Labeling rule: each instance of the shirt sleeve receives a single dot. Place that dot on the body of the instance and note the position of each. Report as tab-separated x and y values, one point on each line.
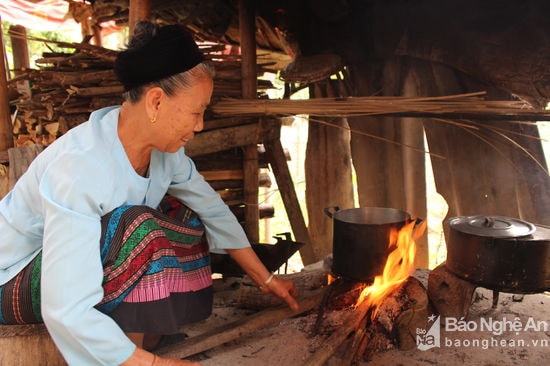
72	273
223	231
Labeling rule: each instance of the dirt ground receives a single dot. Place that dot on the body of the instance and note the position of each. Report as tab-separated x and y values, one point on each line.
516	332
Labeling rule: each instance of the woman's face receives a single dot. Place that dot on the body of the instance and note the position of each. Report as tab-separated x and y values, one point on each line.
181	115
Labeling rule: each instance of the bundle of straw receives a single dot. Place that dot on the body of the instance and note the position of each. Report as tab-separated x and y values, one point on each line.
470	104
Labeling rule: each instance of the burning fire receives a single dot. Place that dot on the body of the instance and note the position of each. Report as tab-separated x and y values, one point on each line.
330	279
398	267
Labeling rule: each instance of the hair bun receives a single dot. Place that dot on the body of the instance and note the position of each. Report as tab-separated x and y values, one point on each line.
155	55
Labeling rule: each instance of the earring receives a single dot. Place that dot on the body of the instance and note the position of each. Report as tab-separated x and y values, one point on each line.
154	119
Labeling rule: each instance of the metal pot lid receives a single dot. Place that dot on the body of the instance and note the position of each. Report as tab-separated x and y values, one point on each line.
492	226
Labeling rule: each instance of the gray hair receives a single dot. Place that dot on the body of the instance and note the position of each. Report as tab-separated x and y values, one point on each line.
172	84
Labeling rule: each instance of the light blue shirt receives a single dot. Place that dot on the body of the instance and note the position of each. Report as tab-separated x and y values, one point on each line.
56	207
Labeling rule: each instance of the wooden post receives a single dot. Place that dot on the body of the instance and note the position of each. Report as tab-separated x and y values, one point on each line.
21	60
6	136
19	48
139	10
249	84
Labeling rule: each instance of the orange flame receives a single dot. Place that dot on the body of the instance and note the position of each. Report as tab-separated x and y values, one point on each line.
330	279
399	265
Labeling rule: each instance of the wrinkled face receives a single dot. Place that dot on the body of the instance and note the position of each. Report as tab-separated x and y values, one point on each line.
181	115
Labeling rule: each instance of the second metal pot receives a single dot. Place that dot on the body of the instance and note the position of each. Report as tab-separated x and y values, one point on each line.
499	253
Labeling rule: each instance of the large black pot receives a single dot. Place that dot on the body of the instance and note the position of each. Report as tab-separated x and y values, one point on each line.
499	253
360	240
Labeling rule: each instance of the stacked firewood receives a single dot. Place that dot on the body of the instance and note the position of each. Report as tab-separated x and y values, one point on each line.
63	91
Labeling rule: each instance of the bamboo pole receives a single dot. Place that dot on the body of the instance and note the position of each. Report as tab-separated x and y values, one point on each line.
6	136
249	85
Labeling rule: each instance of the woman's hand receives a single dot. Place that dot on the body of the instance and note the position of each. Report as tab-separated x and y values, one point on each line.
268	283
284	289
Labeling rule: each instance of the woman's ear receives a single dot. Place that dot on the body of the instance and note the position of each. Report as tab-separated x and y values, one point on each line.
153	97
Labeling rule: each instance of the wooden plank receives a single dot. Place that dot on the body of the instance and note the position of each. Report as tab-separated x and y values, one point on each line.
413	163
276	157
328	176
388	174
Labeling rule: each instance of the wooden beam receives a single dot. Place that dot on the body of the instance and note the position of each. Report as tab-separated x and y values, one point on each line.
249	88
222	175
138	10
6	136
227	122
223	139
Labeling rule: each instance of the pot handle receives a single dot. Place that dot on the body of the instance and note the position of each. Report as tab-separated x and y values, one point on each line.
329	213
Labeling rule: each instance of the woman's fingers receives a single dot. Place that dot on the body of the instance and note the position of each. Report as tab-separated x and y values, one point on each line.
284	289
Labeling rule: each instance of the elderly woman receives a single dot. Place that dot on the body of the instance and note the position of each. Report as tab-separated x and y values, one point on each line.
106	238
